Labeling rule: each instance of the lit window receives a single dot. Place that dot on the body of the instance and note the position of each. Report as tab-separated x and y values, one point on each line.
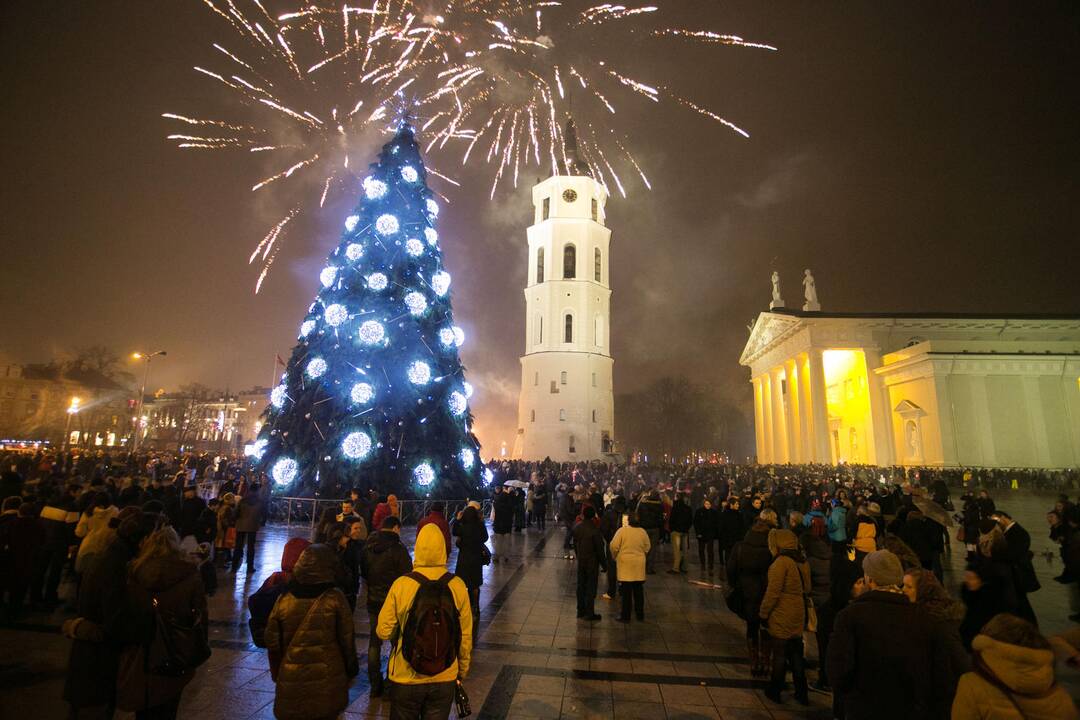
540	265
569	262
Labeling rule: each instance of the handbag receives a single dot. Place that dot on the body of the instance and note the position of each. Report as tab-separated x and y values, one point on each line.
485	555
808	605
183	640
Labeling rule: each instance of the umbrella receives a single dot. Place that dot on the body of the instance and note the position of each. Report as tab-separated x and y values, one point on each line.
517	483
932	510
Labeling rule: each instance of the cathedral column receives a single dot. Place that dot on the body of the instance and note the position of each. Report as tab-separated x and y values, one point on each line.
780	445
759	420
819	406
880	412
769	456
985	434
792	407
1033	400
806	440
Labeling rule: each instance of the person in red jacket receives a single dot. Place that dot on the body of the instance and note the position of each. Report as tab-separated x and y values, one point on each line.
384	510
437	516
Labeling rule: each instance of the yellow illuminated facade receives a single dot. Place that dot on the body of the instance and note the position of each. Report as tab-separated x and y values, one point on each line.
915	389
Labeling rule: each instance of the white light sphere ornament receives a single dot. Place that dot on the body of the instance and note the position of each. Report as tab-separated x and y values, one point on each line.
354	251
419	373
371	332
440	282
431	235
457	403
386	224
468	389
284	471
432	207
488	476
328	276
316	367
446	337
414	247
424	474
256	449
459	336
416	303
409	174
377	282
278	396
374	188
468	457
306	327
335	314
362	393
350	222
356	445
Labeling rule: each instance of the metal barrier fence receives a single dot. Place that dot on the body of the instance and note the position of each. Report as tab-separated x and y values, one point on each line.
307	511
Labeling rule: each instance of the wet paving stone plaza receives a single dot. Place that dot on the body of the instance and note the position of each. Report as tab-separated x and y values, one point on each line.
534	658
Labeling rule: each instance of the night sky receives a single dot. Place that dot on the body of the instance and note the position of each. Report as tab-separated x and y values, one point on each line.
917	156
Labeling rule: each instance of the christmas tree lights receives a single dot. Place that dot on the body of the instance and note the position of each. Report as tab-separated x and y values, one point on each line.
374	393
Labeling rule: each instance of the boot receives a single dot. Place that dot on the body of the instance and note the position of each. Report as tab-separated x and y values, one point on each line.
755	659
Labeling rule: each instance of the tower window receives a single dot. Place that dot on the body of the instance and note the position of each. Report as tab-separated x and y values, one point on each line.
569	262
536	378
598	330
594	416
594	381
546	212
532	416
568	331
562	378
562	415
540	265
554	387
572	448
594	209
596	265
539	329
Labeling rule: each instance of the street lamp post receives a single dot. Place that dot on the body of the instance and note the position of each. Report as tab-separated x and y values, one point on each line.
142	392
72	409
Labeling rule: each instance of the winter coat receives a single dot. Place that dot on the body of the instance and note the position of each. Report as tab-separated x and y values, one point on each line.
504	513
93	545
883	659
629	547
613	518
589	546
783	607
865	535
96	520
261	603
682	517
310	641
731	528
191	509
249	512
430	561
1027	673
819	558
92	665
439	520
706	524
176	584
226	518
20	539
838	524
748	566
471	536
382	511
385	559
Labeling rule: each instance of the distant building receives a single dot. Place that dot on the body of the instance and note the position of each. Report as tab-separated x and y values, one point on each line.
204	420
943	390
39	402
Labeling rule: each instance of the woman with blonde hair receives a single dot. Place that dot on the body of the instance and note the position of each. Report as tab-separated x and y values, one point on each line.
165	596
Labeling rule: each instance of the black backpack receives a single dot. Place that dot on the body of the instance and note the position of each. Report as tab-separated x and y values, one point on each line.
179	646
432	628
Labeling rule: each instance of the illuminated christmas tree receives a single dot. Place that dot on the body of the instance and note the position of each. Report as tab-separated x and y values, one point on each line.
374	394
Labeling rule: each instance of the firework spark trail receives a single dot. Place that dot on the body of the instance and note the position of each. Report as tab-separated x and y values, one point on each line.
490	79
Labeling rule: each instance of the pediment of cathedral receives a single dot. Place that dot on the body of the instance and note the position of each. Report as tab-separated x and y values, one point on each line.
769	329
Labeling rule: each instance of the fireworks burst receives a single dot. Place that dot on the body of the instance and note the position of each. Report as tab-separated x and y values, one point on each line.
488	80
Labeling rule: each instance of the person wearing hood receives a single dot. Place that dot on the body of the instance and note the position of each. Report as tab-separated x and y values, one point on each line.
783	612
249	518
471	534
923	588
384	559
162	582
261	603
1012	677
747	568
437	516
414	695
100	627
310	641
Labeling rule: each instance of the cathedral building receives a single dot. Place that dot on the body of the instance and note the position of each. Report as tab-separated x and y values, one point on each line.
566	407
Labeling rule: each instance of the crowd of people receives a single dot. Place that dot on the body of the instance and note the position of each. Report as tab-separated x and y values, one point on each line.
849	556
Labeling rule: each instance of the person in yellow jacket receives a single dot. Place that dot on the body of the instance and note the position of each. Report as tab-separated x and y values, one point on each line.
412	695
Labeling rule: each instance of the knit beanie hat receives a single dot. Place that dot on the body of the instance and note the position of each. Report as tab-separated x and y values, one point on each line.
883	567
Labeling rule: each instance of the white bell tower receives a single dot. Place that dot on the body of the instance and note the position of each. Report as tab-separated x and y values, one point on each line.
566	410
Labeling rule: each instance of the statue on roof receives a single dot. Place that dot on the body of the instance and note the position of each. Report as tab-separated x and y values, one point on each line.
811	304
777	301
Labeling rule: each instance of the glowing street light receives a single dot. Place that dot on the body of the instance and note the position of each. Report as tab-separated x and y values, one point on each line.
142	391
72	409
